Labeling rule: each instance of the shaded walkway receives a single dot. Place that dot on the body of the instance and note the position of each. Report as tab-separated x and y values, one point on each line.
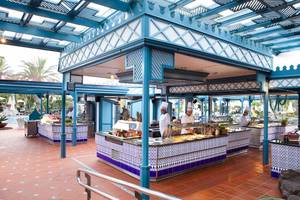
31	169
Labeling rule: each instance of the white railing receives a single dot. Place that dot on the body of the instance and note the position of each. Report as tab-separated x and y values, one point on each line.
138	190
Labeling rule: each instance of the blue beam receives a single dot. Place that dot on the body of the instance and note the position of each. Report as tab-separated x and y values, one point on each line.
80	5
31	45
237	19
251	27
33	30
49	14
114	4
284	42
179	3
287	47
263	33
267	23
259	12
219	9
278	37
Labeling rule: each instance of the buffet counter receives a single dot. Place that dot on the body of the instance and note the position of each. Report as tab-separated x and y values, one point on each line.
170	156
238	140
52	131
167	157
284	155
274	131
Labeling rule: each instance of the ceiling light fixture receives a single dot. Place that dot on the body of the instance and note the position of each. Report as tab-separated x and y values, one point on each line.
3	40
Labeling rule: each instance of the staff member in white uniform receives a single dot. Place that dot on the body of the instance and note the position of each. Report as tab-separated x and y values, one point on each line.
70	113
164	119
244	121
187	118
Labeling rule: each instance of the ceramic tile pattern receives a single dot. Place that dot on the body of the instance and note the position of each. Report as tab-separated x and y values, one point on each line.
31	169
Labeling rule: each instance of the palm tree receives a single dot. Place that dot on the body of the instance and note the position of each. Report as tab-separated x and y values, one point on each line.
37	70
3	68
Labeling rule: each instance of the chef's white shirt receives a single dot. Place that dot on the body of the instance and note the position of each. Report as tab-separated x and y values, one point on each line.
164	121
70	114
186	120
244	121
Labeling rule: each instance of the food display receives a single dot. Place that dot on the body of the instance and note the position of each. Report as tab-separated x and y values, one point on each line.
127	129
49	119
221	119
50	129
54	119
210	129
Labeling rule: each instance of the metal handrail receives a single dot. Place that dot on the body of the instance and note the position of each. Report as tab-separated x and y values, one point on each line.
138	189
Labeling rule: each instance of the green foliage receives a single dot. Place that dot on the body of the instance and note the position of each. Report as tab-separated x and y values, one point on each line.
2	118
4	69
38	70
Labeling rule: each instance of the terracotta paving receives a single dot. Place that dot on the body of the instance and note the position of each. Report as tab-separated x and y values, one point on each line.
30	168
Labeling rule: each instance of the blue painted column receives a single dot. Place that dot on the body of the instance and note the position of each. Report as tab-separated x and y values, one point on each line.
178	107
202	109
169	110
97	124
209	107
266	124
214	105
41	104
242	105
227	106
74	135
221	107
298	110
249	105
100	114
154	109
47	103
63	119
145	179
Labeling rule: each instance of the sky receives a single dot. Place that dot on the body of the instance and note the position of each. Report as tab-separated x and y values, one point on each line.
290	58
14	56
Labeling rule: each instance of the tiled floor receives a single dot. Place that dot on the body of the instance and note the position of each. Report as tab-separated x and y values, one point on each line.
31	169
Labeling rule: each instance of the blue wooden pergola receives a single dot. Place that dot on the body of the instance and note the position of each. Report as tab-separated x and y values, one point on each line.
146	38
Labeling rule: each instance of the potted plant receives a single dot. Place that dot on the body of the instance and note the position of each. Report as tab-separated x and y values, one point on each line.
2	119
284	122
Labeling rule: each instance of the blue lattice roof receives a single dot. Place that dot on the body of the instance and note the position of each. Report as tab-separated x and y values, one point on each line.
274	23
52	24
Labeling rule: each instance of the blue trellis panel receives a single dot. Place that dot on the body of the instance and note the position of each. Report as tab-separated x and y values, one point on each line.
159	60
180	36
118	38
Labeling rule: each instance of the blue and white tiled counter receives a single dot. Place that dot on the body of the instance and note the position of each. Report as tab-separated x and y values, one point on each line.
238	141
257	135
165	160
52	132
284	156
